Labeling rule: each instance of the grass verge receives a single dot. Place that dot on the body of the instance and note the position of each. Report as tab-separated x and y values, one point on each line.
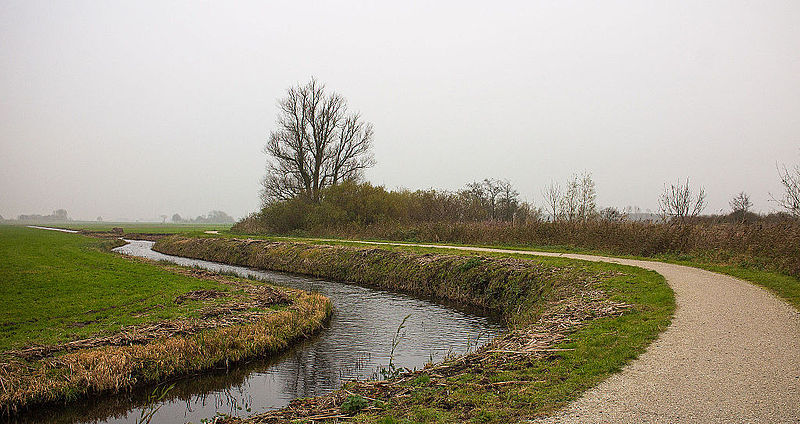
571	324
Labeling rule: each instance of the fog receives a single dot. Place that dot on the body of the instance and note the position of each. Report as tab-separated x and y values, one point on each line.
133	110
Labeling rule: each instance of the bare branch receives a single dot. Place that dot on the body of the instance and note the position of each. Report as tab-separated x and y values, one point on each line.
677	203
790	180
315	144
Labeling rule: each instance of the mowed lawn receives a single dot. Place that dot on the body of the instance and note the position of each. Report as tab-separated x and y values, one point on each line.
56	286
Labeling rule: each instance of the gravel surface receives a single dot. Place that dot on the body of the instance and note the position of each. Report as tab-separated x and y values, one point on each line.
731	355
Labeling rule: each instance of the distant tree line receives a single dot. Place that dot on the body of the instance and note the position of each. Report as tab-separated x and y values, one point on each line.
213	217
318	150
59	215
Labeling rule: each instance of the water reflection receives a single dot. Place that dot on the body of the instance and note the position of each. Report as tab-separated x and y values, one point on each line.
355	343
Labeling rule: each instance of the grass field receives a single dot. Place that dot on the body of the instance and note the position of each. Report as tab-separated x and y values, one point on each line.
133	321
144	227
59	286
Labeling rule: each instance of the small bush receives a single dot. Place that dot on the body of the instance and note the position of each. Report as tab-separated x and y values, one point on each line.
353	404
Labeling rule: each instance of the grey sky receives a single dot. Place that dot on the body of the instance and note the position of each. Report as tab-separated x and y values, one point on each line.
131	110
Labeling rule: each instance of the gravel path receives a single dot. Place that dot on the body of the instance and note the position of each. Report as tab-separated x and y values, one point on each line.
731	355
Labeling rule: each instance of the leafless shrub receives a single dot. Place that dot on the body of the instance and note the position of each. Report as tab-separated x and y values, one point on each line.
740	206
553	198
790	180
677	203
576	203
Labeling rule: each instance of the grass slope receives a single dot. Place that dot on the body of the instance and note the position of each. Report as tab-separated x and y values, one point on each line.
596	350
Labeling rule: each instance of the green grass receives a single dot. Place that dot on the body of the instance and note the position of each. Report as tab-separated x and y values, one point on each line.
59	286
145	227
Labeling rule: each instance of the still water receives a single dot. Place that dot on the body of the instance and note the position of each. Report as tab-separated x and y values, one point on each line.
354	345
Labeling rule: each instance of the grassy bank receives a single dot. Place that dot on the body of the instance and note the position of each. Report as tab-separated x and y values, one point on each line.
572	323
764	245
785	286
77	320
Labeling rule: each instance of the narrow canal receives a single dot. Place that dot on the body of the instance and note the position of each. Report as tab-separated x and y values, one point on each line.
354	345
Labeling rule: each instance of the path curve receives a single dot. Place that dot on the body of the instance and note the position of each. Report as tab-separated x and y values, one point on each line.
731	355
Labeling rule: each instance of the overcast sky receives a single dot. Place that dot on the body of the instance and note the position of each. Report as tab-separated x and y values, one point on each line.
129	110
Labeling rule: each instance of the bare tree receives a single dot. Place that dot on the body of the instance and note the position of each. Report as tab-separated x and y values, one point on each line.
790	179
587	206
553	200
492	189
578	203
677	203
740	206
316	144
570	202
507	201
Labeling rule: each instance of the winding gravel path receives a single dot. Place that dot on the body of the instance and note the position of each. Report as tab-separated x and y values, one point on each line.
731	355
